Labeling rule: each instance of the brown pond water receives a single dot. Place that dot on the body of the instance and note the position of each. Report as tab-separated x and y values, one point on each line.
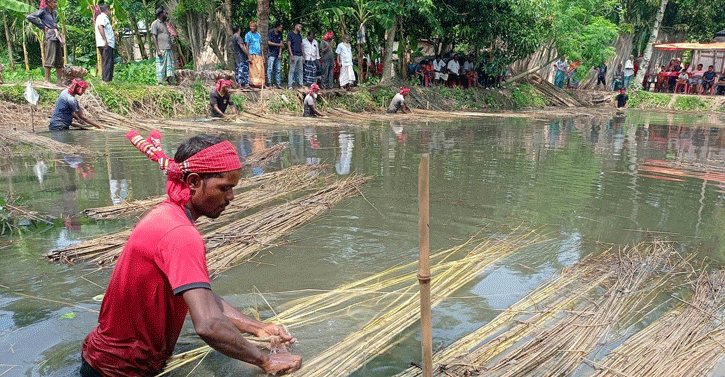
592	179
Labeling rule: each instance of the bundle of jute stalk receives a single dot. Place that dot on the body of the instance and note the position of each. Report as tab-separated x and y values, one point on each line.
238	241
539	306
393	294
593	298
10	137
258	159
687	341
106	249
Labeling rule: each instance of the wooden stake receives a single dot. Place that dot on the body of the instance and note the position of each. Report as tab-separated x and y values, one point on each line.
424	267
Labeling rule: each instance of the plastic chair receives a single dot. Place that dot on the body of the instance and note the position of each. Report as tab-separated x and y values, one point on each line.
682	84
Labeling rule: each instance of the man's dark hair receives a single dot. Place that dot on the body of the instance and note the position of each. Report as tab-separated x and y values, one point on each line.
159	12
438	56
710	66
310	33
277	24
194	145
103	7
235	28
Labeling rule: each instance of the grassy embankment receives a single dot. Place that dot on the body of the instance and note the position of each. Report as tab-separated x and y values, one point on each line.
168	102
664	101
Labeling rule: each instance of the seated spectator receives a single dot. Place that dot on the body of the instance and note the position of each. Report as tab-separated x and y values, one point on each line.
696	76
708	79
682	78
440	70
468	66
454	71
673	79
720	88
618	79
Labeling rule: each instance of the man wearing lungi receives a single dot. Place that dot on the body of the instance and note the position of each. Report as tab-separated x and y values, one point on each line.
46	18
162	274
163	42
344	58
256	59
328	60
311	52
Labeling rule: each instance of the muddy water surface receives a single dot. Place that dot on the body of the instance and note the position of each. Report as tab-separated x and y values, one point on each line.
583	181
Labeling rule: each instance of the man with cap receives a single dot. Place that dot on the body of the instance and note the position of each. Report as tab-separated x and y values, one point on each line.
328	60
398	102
219	99
309	105
344	58
161	274
67	108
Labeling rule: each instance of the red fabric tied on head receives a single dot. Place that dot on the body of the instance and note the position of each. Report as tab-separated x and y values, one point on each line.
328	36
75	85
314	88
222	84
218	158
42	4
404	90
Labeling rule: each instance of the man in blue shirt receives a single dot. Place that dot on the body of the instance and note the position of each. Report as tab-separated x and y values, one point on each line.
67	108
274	54
256	59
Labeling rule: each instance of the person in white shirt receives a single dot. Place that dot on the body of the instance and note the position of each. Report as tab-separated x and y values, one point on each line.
454	70
105	41
628	71
311	53
696	75
439	67
344	58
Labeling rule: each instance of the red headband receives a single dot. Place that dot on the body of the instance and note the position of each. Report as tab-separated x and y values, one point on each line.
75	85
314	88
218	158
404	90
222	83
328	35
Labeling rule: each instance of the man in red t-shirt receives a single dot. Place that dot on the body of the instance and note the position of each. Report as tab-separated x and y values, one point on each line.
162	275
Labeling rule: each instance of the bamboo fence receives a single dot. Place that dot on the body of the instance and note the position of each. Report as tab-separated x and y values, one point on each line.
262	158
106	249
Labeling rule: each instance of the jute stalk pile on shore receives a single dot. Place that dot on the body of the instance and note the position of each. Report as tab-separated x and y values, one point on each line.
105	250
10	137
573	315
393	294
260	159
687	341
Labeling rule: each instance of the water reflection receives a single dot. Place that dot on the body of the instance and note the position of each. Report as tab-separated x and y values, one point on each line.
610	179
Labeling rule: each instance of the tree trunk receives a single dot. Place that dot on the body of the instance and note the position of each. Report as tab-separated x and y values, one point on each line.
361	72
530	71
10	44
388	59
25	51
65	45
149	42
141	47
644	64
263	21
227	27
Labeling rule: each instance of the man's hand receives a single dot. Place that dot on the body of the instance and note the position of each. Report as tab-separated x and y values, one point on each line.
277	332
283	362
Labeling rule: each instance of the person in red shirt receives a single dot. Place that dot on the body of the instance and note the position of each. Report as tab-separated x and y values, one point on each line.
162	275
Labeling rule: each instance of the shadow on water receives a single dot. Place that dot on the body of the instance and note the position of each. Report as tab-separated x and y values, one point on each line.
582	181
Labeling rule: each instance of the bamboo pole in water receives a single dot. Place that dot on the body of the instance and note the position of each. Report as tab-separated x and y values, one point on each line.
426	331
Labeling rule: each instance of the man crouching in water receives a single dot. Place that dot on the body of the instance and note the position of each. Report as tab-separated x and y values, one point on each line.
162	274
310	104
